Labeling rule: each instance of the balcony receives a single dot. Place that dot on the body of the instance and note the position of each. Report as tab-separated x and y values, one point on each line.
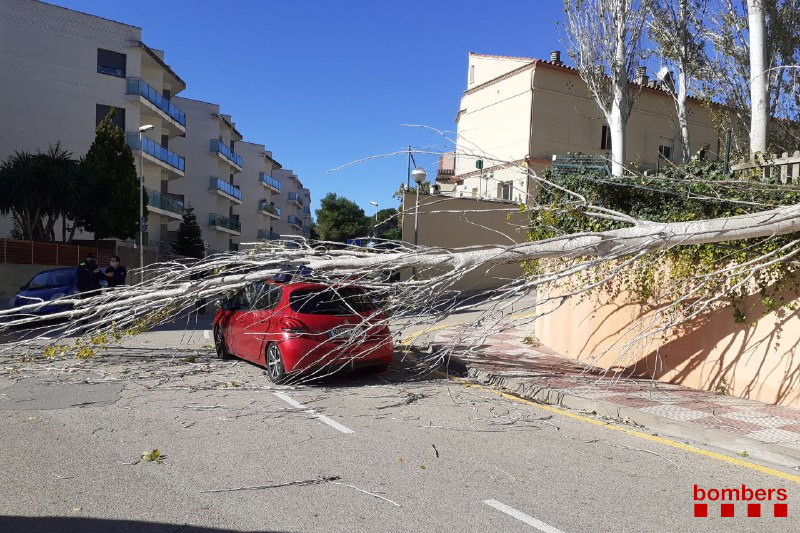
164	204
295	198
269	182
157	154
265	235
306	210
226	224
226	154
269	209
158	103
295	221
226	190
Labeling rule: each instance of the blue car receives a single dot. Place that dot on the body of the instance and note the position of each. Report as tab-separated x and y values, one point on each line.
48	285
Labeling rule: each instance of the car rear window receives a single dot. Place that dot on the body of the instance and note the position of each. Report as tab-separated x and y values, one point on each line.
49	280
327	301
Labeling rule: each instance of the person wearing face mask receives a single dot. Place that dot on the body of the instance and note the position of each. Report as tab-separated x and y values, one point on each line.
116	273
88	274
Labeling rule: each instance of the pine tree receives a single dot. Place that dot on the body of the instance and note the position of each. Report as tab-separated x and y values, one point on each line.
109	176
190	238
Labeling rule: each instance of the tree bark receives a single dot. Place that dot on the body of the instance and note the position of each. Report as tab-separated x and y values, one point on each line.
759	104
683	116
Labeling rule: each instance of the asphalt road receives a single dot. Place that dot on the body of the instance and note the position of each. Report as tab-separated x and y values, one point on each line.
403	451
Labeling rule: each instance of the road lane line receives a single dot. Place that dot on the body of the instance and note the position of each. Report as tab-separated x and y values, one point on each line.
206	334
519	515
322	418
654	438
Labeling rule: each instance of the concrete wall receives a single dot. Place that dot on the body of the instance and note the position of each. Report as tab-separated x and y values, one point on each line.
468	223
760	362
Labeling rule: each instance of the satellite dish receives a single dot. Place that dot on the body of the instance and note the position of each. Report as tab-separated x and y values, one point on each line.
665	77
663	72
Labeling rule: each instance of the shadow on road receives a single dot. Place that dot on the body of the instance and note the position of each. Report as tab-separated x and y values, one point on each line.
68	524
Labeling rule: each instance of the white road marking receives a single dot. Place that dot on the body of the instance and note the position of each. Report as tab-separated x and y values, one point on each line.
206	334
519	515
294	403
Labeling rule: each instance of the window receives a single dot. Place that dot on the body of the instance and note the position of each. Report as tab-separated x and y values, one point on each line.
343	301
102	111
111	63
665	152
605	141
504	190
472	73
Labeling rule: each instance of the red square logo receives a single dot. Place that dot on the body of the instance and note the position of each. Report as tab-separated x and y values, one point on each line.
781	510
726	510
701	510
754	510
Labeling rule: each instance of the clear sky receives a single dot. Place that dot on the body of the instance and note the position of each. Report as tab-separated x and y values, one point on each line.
323	83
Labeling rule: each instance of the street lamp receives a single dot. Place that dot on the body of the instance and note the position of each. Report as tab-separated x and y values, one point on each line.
376	213
418	175
142	129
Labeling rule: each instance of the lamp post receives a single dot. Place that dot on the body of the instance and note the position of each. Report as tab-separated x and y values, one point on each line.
142	129
376	214
419	175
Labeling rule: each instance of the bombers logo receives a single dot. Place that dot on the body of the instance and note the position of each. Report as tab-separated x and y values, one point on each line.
775	498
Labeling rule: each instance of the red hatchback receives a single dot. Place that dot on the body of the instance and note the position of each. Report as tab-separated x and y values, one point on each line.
303	327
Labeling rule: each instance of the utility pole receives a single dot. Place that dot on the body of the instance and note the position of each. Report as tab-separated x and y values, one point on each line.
408	169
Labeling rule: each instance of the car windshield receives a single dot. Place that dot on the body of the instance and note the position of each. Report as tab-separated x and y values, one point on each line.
328	301
51	279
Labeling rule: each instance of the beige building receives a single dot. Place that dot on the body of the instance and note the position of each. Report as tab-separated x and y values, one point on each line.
211	180
62	71
517	113
260	193
291	203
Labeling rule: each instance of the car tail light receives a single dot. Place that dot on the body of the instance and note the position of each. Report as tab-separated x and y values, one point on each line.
292	325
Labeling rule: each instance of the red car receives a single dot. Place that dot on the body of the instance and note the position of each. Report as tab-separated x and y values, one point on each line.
303	327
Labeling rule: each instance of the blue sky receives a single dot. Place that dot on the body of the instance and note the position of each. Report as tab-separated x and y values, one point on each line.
322	83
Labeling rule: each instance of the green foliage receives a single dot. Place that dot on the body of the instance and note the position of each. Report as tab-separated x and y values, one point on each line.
190	238
111	202
38	190
388	226
697	191
339	219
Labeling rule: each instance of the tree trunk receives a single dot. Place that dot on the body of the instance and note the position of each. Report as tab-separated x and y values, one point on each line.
759	107
683	117
617	128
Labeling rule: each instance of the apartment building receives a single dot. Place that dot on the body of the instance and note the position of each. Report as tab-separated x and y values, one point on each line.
291	203
210	183
306	195
62	71
260	192
518	112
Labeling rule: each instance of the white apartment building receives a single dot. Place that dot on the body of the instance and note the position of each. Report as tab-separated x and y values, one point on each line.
291	203
211	179
62	71
518	112
260	192
306	212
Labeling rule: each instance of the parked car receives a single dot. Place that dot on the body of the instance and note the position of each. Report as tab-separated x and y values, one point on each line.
48	285
300	326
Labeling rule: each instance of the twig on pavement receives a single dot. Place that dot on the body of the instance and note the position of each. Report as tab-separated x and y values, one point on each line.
365	492
317	481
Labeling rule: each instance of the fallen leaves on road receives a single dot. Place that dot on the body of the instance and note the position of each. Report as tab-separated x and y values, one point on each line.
154	456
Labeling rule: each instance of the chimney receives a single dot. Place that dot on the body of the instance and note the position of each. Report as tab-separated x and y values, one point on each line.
641	75
555	57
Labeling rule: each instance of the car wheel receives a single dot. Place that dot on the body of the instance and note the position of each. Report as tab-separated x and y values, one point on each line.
274	362
219	344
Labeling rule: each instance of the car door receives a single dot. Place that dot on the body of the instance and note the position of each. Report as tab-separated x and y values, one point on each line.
258	321
236	321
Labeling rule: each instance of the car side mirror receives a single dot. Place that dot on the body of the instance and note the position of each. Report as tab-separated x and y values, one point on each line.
226	305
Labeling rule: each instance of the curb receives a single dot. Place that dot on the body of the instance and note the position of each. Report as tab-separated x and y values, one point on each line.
758	450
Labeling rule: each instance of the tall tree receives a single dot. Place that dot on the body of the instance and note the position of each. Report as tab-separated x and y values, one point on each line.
759	76
190	238
605	42
676	28
339	219
38	190
109	174
387	226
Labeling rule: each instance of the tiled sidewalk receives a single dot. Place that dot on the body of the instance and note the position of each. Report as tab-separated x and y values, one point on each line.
504	357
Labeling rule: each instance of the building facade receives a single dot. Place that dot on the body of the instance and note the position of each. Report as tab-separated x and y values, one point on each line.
260	192
517	113
291	203
80	68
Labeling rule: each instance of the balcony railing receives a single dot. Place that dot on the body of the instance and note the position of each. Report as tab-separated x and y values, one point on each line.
224	222
306	210
218	184
269	180
142	88
295	221
164	201
268	235
264	205
294	197
220	147
149	146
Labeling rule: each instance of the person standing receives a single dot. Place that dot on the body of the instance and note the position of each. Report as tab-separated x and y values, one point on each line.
116	273
88	275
